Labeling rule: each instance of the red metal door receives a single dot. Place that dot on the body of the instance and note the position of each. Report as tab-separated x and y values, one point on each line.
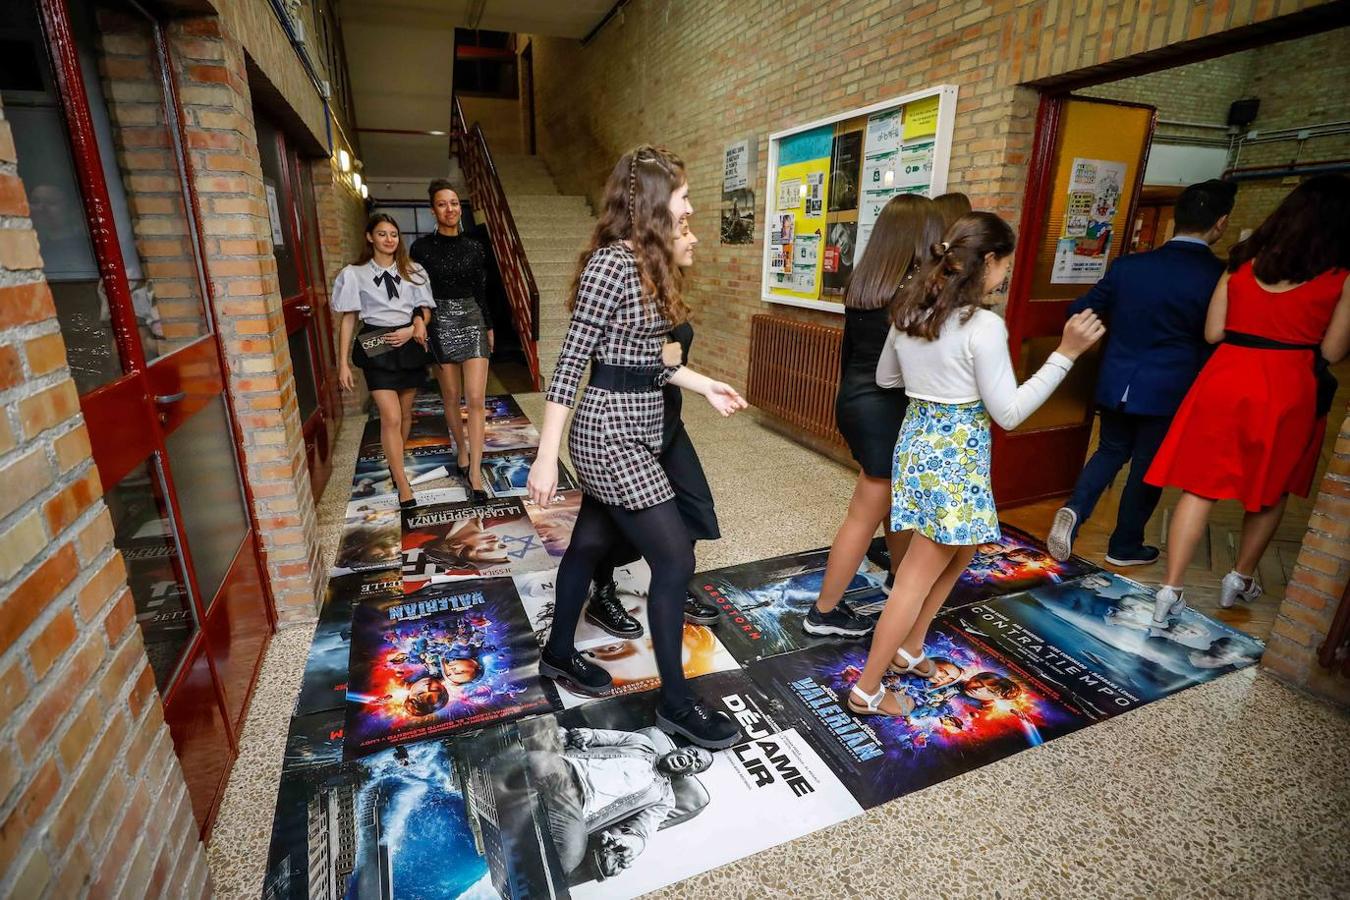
118	222
1061	253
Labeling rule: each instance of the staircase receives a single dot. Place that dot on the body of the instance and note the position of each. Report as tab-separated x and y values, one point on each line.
553	228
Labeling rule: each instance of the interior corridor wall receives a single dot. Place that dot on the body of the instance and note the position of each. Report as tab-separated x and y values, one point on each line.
699	74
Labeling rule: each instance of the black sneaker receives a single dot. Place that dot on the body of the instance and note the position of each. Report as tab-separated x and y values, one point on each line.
699	725
700	612
1144	556
607	612
840	621
578	672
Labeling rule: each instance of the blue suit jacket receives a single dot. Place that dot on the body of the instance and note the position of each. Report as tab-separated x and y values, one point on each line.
1154	306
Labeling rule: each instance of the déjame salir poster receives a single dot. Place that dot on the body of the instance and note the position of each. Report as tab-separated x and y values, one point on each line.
738	192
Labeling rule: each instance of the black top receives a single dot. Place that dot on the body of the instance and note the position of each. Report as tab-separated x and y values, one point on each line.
864	336
457	267
682	334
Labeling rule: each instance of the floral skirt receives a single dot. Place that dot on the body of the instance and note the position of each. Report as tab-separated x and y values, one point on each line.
940	483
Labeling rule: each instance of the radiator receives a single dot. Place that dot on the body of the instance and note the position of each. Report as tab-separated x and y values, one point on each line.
794	373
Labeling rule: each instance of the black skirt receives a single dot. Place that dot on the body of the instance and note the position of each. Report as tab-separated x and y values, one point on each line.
869	420
397	370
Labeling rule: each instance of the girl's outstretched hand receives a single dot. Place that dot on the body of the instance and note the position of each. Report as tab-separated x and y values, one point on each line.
1080	333
725	398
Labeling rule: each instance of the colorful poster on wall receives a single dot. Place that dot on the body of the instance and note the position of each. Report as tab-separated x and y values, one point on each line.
803	185
1084	247
840	241
738	194
921	118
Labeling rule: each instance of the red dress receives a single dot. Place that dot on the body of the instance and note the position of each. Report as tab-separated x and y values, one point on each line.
1248	430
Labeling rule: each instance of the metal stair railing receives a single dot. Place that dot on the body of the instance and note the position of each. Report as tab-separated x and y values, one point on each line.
485	190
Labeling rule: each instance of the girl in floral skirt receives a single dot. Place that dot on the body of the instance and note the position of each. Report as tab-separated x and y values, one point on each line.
951	357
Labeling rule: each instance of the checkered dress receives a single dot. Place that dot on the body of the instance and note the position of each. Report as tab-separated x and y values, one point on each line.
615	437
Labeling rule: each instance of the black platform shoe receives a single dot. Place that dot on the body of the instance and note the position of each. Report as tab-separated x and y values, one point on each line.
699	725
607	612
577	672
700	612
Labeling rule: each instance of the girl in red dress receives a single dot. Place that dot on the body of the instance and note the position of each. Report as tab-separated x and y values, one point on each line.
1251	428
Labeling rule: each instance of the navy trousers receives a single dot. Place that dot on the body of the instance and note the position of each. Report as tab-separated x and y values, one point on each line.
1124	438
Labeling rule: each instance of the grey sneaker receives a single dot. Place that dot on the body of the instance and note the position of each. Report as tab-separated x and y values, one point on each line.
1061	537
1236	586
1168	602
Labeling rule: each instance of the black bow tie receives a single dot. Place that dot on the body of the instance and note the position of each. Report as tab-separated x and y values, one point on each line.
390	281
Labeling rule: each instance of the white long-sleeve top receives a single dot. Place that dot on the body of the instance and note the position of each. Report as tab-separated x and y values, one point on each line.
969	361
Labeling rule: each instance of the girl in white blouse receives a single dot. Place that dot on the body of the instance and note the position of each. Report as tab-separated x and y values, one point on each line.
951	357
391	296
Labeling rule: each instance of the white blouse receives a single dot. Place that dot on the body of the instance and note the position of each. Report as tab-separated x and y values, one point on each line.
969	361
355	291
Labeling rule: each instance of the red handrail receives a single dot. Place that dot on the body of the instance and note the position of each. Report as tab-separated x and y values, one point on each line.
485	189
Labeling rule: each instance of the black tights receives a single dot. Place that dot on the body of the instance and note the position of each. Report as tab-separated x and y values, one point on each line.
659	535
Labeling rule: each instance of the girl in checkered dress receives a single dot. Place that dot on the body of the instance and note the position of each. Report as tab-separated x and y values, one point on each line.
625	300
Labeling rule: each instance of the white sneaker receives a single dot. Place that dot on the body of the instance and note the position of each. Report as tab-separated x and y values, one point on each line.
1060	541
1169	601
1236	586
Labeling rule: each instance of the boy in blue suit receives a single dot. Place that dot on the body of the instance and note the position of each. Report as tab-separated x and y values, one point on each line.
1154	305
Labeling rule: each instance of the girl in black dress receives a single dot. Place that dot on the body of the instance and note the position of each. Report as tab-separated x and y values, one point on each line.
624	303
693	496
869	416
391	296
460	336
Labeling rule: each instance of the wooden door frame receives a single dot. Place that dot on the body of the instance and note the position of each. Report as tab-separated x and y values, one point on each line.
137	381
1014	454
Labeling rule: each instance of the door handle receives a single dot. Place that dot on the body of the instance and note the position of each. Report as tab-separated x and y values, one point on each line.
166	399
304	309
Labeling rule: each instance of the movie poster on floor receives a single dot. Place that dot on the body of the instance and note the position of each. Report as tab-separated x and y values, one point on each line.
554	523
431	472
505	474
738	193
324	683
630	662
447	658
457	541
394	824
841	238
764	602
803	167
1084	247
503	435
679	810
425	432
1094	638
371	539
979	709
1016	562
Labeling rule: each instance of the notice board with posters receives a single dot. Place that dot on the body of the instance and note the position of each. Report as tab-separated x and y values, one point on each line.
828	181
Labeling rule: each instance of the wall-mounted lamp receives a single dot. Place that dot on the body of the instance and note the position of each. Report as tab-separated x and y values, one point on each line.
344	161
356	180
365	192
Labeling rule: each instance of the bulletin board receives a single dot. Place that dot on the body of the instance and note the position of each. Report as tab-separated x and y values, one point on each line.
828	181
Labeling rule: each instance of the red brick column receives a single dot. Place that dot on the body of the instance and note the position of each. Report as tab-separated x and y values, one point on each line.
223	150
1320	578
92	799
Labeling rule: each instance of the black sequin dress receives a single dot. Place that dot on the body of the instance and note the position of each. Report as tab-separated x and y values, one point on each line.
457	266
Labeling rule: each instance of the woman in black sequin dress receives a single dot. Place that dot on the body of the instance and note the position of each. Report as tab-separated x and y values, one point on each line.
460	337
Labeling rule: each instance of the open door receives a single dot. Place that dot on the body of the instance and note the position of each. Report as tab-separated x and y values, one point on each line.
1086	171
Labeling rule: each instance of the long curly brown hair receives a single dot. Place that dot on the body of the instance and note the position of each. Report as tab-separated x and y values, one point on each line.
637	209
953	281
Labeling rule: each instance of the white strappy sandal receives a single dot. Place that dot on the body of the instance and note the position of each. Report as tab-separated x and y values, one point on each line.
911	664
861	703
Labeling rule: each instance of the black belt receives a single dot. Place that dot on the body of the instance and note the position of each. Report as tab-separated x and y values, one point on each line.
624	379
1326	382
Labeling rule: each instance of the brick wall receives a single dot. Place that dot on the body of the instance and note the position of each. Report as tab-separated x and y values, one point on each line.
342	222
222	145
92	799
698	74
1314	592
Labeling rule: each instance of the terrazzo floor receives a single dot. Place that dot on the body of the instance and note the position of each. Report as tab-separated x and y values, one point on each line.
1237	788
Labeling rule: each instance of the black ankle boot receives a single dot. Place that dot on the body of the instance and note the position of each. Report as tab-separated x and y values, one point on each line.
699	612
699	725
606	612
577	672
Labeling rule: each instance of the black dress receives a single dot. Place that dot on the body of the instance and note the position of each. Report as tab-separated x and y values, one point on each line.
868	416
457	266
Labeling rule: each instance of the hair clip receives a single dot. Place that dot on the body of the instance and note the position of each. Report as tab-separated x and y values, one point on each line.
946	247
